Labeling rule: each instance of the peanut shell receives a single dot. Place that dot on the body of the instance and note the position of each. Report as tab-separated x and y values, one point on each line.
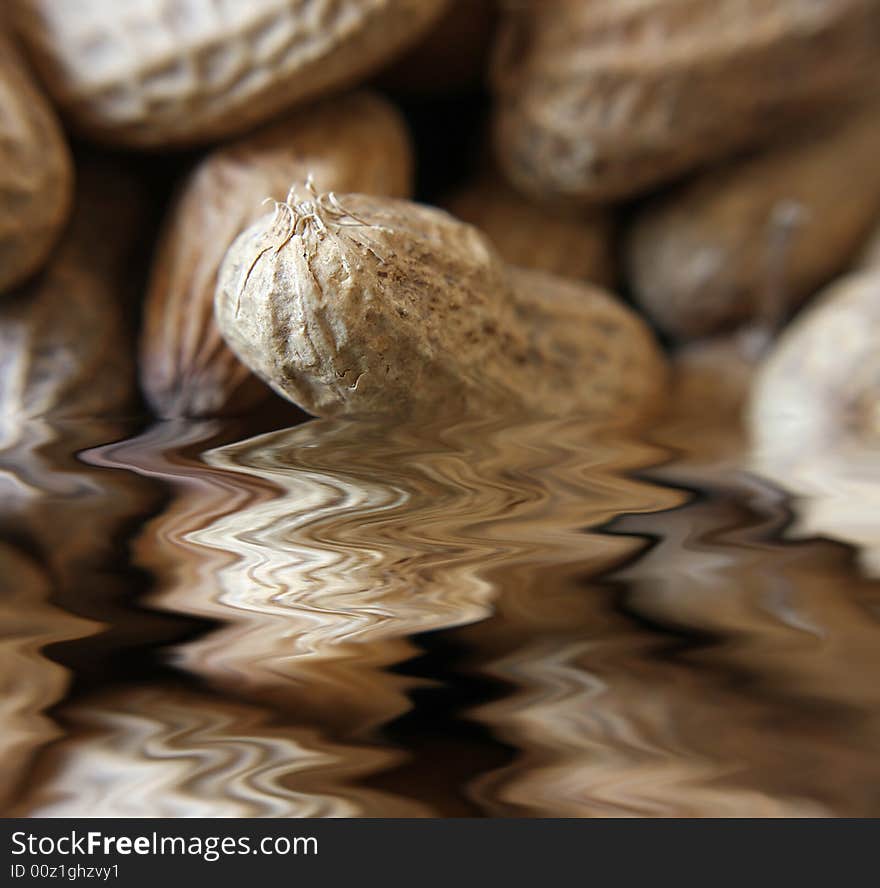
353	143
538	236
152	73
363	305
755	238
820	386
36	174
587	352
603	99
64	349
814	416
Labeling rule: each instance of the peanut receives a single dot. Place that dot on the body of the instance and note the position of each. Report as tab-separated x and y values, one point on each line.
820	386
546	238
147	73
586	351
63	341
603	99
36	174
357	142
364	305
752	240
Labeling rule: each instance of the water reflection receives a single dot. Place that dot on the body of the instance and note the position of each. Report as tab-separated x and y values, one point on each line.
835	492
29	680
720	675
507	617
325	548
167	752
60	574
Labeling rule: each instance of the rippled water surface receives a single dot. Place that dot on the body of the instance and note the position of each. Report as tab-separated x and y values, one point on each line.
502	618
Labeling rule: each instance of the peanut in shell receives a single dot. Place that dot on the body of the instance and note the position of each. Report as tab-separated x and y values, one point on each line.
36	173
544	237
349	304
356	142
155	73
750	241
65	349
599	100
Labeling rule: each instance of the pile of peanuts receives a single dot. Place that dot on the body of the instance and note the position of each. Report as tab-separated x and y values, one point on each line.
712	161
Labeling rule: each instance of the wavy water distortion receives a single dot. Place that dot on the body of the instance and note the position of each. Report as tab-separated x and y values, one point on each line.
502	617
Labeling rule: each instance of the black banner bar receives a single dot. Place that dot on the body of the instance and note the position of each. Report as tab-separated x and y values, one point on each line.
455	852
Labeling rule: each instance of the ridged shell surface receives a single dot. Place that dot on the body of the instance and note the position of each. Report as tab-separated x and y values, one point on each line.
356	142
603	99
371	306
151	73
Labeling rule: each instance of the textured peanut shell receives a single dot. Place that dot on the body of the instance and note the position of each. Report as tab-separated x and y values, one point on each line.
64	348
151	73
588	353
36	174
756	237
819	389
603	99
353	143
538	236
399	308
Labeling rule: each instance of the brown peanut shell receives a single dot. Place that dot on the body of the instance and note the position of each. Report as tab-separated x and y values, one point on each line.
365	305
356	142
538	236
603	99
152	73
819	389
753	239
36	173
65	351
